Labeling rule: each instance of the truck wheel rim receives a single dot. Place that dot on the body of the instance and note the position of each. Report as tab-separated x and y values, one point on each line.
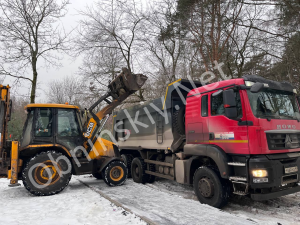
206	187
116	173
47	171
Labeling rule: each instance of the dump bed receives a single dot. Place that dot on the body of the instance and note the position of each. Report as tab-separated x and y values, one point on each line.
156	124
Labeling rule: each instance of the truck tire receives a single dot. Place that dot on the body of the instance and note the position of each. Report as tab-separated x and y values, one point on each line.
138	168
179	121
210	188
47	173
127	160
115	173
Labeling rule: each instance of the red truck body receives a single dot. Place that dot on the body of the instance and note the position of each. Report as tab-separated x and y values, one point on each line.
247	139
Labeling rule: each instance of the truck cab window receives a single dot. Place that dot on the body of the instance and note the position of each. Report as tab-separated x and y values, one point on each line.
67	125
217	106
204	106
43	123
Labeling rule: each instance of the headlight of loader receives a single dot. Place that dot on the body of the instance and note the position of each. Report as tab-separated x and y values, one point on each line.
259	173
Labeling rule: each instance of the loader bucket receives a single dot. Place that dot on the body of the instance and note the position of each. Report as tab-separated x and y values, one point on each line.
126	82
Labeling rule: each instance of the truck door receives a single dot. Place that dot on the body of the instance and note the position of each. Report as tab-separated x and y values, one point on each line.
231	135
197	120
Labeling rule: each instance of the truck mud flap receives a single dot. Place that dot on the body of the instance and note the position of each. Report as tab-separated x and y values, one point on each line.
263	197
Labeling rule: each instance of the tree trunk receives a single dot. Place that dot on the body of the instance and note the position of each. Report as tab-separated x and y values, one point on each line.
34	81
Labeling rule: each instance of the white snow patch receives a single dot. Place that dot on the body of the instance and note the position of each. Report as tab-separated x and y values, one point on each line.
77	204
163	207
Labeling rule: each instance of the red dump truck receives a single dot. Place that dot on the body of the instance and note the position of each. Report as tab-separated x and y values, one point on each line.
239	136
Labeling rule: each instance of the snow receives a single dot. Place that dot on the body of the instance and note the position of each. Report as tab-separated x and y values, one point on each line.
162	207
163	202
77	204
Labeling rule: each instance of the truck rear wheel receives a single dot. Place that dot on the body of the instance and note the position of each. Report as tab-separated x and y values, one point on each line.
127	160
210	188
138	168
47	173
115	174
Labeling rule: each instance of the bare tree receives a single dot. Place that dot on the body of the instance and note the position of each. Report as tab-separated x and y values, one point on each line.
30	31
167	44
70	89
110	27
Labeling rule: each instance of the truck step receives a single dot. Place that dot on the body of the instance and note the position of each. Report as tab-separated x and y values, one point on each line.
238	178
236	164
240	193
159	175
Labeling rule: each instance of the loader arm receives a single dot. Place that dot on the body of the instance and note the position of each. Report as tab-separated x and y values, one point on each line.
119	89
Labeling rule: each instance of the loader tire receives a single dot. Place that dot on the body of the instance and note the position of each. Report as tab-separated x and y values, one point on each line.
179	121
138	168
115	174
47	173
127	160
210	188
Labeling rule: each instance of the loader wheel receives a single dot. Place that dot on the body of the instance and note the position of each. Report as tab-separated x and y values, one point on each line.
47	173
115	174
210	188
127	160
138	168
179	121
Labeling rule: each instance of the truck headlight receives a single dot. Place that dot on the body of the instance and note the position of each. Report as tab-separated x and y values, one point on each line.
259	173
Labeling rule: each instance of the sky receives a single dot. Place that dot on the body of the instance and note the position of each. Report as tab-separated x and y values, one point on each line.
69	64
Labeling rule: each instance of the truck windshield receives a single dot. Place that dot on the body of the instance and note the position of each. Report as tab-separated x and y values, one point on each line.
275	104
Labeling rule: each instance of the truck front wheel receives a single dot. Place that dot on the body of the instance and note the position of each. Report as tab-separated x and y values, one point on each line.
210	188
47	173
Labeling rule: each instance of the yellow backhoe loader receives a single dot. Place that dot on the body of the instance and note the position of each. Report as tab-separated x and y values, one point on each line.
60	140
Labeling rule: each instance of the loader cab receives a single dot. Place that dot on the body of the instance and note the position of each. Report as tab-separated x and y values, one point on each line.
52	125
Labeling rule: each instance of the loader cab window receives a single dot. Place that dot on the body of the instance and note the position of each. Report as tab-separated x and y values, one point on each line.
43	122
217	106
67	125
26	137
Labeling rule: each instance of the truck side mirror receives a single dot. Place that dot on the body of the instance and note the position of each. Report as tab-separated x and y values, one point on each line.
230	104
257	87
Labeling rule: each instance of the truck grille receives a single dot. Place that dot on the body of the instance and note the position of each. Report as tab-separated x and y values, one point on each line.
283	141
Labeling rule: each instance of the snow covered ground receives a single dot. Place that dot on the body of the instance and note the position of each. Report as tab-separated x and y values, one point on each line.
77	204
283	210
163	202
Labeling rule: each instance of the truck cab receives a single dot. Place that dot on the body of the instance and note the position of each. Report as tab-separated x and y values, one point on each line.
257	129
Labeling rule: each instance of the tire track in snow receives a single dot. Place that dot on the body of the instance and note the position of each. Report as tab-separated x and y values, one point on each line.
148	221
161	207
